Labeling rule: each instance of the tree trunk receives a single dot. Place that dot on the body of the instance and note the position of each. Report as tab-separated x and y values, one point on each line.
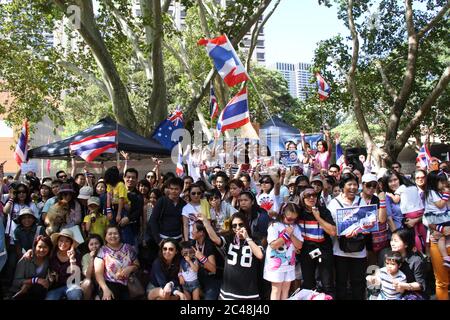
157	106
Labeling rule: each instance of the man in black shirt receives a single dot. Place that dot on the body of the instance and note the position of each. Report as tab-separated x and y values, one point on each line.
166	219
136	211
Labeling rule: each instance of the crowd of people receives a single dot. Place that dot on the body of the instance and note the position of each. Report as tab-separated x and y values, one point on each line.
232	233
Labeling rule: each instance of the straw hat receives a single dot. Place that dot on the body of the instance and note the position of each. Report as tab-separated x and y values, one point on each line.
63	233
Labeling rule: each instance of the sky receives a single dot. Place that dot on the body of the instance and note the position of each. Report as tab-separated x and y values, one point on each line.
296	27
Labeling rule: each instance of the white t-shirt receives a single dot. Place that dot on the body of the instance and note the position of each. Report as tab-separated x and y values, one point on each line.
283	258
269	202
333	206
410	200
190	211
226	211
431	207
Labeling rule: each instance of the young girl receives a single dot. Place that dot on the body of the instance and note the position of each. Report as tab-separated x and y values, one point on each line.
89	286
95	222
437	209
220	211
412	209
284	237
188	272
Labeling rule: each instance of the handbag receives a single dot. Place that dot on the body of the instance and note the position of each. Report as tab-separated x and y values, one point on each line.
355	244
135	288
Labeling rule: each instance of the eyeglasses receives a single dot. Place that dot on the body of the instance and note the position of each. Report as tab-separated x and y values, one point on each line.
170	249
196	193
371	185
235	225
310	195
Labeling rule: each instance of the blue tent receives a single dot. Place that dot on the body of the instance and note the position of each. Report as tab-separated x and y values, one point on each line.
278	133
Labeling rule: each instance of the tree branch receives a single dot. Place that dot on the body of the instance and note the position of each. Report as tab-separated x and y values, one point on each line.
256	32
91	35
165	6
129	33
433	21
352	82
425	108
85	75
385	81
203	21
408	80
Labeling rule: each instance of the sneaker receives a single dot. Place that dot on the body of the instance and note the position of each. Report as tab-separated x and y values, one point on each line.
447	262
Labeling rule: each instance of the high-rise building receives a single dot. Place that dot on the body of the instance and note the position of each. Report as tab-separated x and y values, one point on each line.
297	76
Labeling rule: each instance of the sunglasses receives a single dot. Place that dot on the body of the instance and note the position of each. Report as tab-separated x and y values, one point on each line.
235	225
62	176
265	182
196	193
371	185
310	195
170	249
21	191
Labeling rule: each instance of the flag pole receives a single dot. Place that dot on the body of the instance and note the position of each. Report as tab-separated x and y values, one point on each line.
262	100
117	144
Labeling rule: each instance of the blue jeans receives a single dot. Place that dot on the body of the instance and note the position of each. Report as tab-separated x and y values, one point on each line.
73	293
210	287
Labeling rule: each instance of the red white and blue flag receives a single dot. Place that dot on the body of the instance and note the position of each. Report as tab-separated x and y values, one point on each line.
20	155
235	114
213	105
180	169
424	157
322	88
340	157
91	147
225	60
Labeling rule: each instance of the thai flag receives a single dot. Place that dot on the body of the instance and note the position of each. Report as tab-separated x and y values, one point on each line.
213	105
20	155
340	157
180	169
424	157
322	88
225	60
235	114
91	147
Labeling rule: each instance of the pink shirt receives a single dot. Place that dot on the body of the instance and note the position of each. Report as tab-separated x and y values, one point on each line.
322	160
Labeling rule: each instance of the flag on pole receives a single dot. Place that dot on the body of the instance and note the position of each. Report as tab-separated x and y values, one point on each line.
235	114
340	157
424	157
91	147
180	169
163	133
225	60
20	155
213	105
322	88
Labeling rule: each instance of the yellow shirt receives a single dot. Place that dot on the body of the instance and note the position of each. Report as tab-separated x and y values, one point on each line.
119	191
99	226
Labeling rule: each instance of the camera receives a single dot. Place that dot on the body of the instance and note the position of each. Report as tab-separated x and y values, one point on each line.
316	253
93	217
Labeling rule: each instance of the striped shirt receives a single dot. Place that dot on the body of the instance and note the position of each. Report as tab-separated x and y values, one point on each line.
388	291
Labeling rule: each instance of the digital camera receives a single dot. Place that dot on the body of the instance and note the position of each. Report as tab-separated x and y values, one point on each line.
316	253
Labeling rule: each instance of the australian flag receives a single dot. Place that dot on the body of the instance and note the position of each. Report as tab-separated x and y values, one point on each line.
163	133
225	60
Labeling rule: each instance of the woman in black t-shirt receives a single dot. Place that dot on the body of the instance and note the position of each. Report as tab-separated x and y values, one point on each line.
241	272
317	225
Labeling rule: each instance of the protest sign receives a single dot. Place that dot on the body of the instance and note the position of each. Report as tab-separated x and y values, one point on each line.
357	219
